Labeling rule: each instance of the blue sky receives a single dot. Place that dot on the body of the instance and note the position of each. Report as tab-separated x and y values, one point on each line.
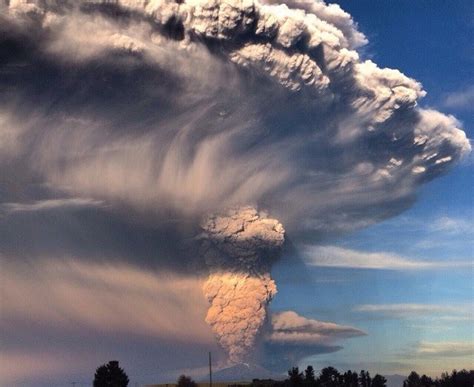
431	42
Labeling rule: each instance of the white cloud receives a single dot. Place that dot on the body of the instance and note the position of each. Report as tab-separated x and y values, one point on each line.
462	99
449	312
446	349
333	256
450	225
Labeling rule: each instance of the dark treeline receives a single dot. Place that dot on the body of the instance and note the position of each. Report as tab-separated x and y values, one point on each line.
461	378
111	375
328	377
331	377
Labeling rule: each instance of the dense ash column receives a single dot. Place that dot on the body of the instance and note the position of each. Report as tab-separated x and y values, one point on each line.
239	247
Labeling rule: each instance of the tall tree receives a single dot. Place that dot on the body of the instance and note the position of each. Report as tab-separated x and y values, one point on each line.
445	380
426	381
185	381
462	378
350	379
296	377
309	375
110	375
413	380
364	379
379	381
329	377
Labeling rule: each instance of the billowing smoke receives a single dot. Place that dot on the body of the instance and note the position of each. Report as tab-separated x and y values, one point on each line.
197	106
239	247
168	111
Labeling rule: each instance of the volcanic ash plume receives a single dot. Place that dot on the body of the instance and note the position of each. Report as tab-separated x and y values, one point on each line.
201	105
239	247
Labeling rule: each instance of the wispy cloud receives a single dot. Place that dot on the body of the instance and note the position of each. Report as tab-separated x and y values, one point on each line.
450	312
333	256
97	296
445	349
49	204
291	328
438	223
294	337
452	225
461	99
447	232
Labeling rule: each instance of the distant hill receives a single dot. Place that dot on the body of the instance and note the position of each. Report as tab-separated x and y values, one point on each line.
395	380
244	373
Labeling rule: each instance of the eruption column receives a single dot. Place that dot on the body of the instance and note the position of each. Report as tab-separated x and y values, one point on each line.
239	248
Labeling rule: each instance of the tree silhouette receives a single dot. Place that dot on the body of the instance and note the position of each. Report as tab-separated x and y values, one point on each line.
329	377
185	381
413	380
364	379
110	375
426	381
379	381
350	379
309	375
461	378
296	377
